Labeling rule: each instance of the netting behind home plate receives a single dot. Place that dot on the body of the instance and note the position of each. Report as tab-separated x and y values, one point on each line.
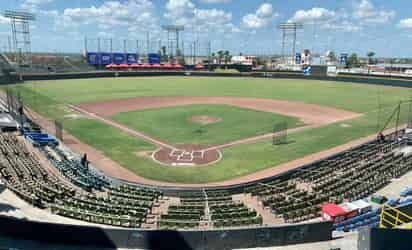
280	133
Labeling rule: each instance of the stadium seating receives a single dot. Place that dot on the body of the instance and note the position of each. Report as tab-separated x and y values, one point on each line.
25	177
123	205
72	169
295	197
349	176
369	219
209	208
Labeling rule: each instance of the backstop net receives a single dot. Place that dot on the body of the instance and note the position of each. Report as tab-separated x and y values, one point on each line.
280	133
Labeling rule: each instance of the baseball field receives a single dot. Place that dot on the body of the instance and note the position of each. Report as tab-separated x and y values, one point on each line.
128	120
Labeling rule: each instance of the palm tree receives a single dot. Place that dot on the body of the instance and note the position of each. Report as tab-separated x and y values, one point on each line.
220	56
370	55
213	58
227	56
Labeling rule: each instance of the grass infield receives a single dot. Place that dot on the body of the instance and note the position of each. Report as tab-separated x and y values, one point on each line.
174	125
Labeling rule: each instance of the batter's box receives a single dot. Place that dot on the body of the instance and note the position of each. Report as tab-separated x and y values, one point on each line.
186	156
176	153
198	154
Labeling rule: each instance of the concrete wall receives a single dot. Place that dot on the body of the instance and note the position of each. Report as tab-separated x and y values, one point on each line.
400	82
164	239
384	239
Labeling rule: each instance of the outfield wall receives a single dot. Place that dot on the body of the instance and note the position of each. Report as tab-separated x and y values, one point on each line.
377	80
72	235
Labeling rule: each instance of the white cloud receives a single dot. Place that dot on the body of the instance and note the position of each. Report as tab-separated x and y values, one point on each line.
343	25
262	18
110	14
104	34
37	2
405	23
185	12
326	19
366	12
180	11
313	15
216	1
4	20
33	5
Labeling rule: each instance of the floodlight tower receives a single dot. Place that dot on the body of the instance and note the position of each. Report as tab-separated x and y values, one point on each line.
289	29
173	32
20	28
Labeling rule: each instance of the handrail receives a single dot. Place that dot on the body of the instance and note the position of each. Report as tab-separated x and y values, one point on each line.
395	220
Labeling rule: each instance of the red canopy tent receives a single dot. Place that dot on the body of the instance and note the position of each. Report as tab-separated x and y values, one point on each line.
136	66
146	66
199	66
111	66
124	66
156	66
178	66
167	66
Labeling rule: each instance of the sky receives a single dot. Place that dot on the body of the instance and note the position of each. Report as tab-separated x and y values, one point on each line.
247	26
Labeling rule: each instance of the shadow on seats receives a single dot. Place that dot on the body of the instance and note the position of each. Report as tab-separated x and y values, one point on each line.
165	240
4	207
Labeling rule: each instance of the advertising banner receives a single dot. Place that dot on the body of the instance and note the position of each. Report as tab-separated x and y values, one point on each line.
105	58
131	58
118	58
154	58
92	58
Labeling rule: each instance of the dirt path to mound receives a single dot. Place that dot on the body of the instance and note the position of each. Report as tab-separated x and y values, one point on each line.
310	114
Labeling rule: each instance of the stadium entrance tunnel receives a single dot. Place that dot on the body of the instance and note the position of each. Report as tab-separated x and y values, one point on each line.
187	155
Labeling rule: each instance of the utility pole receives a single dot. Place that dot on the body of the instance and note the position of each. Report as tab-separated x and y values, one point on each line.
147	42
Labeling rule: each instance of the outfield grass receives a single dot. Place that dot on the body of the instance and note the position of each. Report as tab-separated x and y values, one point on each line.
50	98
173	125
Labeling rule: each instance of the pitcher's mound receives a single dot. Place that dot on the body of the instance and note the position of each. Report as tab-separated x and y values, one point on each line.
187	155
204	119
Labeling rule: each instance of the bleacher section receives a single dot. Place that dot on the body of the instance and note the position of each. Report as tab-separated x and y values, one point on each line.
370	219
124	205
350	176
73	170
208	209
295	197
23	175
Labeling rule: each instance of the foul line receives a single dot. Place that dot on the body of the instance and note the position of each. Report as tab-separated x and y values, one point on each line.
165	145
124	128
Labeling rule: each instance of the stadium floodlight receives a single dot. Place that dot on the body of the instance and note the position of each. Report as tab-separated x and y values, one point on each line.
20	28
287	29
173	32
19	15
173	27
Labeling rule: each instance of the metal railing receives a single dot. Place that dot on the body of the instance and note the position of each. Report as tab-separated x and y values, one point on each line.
394	218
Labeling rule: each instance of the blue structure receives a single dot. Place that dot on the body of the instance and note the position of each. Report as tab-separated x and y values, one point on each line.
41	139
307	71
370	219
298	58
154	58
343	59
131	58
118	58
93	58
